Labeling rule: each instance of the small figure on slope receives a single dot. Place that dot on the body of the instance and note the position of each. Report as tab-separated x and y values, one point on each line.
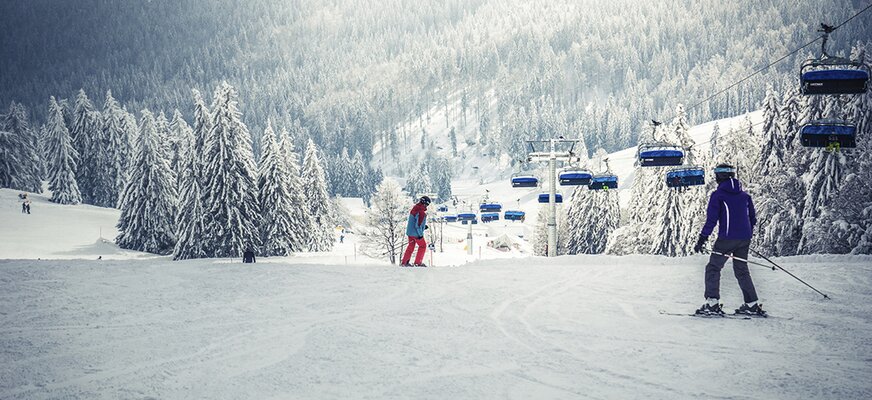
248	256
415	227
733	211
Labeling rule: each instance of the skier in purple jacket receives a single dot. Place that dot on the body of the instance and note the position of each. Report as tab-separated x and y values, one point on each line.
732	210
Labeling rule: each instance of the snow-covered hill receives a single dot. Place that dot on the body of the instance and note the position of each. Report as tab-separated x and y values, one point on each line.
571	327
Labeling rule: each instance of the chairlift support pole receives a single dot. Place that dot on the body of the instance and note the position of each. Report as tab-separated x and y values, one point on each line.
552	156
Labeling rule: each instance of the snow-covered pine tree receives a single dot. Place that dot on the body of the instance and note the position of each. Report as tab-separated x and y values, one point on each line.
540	234
358	176
229	189
87	133
180	141
591	217
385	234
148	206
824	177
117	151
320	236
418	182
340	174
190	222
779	197
61	158
647	204
301	221
20	161
714	140
276	228
679	226
859	110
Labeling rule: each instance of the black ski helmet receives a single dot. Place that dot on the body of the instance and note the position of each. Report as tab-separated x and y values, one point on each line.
724	172
425	200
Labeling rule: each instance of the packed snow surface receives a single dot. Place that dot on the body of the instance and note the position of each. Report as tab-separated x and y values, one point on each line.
571	327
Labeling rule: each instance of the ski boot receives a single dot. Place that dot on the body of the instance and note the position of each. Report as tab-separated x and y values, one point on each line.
405	264
708	309
421	265
756	310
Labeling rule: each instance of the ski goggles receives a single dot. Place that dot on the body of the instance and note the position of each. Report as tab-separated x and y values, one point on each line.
728	170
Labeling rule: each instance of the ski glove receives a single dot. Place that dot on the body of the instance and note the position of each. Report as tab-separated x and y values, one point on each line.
699	243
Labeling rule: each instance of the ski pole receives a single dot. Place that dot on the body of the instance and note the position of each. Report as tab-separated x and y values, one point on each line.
742	259
758	254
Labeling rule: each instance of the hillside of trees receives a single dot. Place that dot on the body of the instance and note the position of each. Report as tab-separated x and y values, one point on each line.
352	73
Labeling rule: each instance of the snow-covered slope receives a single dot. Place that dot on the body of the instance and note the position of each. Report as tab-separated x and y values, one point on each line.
571	327
57	231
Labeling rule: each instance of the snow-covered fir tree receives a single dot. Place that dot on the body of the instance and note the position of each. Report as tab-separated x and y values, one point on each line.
824	177
418	182
278	236
320	236
778	195
647	204
180	141
20	160
148	206
358	172
190	221
540	234
61	158
591	217
229	189
677	229
300	220
714	140
118	151
87	133
385	234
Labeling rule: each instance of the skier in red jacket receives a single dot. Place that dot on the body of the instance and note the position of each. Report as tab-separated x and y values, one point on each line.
415	227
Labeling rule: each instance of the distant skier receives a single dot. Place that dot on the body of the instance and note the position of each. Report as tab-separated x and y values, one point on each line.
248	256
733	211
27	206
415	227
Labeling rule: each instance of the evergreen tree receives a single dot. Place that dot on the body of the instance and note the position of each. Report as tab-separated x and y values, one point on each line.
229	190
190	222
679	226
385	235
540	235
592	216
276	227
180	141
779	222
62	157
320	236
148	208
115	131
20	161
358	174
418	183
87	133
301	221
452	136
647	204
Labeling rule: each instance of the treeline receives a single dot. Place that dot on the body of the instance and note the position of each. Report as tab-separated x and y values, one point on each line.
188	191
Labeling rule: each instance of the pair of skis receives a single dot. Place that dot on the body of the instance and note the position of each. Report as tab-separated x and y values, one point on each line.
715	316
720	316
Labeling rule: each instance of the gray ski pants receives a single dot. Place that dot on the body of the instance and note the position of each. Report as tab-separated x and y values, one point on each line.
737	248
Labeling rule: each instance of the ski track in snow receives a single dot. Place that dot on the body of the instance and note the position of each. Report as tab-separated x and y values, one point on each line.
573	327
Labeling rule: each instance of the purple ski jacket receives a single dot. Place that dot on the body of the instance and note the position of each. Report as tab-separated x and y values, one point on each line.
732	210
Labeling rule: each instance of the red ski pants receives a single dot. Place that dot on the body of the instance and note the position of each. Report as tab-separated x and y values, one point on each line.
422	248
